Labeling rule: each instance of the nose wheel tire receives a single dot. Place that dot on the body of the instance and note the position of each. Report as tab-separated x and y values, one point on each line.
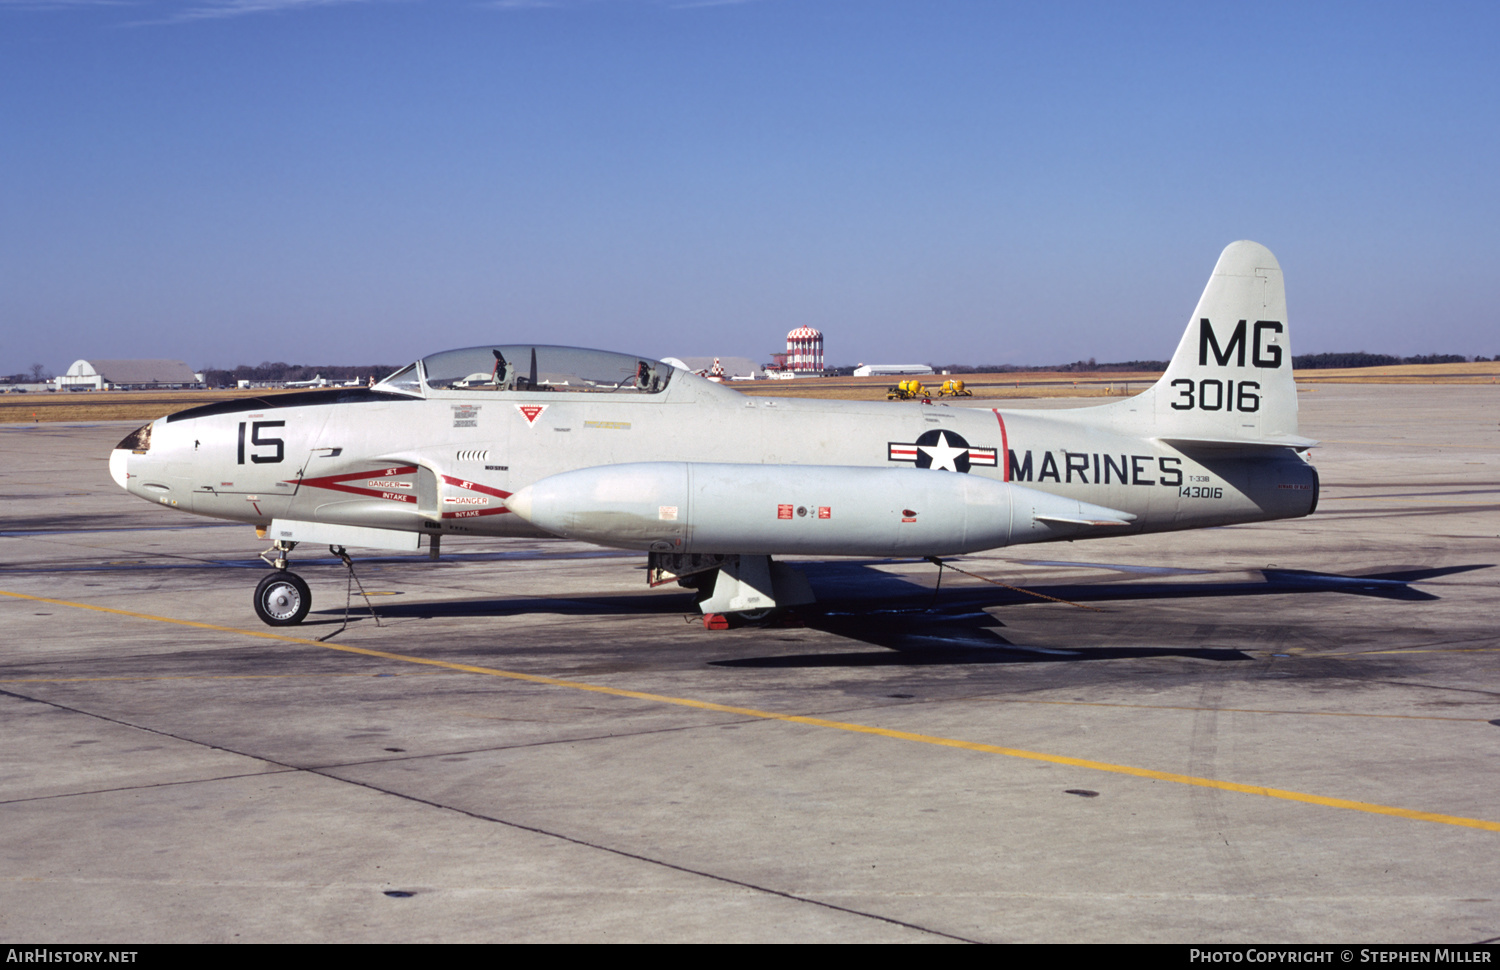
282	599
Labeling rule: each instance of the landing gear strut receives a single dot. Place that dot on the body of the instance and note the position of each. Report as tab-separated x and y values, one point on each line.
282	598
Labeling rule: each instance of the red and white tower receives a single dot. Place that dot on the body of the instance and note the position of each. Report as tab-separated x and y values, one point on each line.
804	350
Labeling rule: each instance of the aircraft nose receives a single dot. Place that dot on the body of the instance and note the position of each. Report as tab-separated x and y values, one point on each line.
117	460
137	442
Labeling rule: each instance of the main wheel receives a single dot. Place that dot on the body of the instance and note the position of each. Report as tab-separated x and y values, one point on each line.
742	618
282	599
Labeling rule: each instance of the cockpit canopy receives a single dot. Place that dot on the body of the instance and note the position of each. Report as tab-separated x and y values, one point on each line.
531	368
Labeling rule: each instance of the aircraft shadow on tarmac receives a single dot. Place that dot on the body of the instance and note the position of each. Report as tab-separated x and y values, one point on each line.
941	638
854	585
949	626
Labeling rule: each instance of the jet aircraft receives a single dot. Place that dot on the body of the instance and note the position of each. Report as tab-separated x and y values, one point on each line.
710	484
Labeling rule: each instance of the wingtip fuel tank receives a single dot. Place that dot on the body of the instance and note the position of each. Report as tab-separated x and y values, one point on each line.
700	507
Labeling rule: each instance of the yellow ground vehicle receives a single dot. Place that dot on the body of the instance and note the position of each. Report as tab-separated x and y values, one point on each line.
907	390
953	387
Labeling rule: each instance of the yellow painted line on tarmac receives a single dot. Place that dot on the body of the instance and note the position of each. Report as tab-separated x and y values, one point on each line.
1279	793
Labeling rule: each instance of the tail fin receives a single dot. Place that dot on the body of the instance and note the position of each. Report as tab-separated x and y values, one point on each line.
1230	381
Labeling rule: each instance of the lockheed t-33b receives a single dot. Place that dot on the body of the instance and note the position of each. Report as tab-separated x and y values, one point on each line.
622	451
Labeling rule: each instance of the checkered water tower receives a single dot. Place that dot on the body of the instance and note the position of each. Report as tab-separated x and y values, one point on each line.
804	350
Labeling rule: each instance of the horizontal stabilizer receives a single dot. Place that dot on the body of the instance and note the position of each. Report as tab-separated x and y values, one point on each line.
1271	441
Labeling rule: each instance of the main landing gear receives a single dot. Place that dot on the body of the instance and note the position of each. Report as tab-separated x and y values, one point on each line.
282	598
732	590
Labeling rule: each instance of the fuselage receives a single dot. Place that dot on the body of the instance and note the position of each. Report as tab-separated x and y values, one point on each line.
443	457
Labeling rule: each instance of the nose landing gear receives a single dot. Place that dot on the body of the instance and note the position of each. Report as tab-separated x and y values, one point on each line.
282	598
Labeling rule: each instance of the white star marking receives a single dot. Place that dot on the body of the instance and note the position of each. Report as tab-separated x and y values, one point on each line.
943	455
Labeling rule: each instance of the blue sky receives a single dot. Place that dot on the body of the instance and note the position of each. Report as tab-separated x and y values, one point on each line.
947	181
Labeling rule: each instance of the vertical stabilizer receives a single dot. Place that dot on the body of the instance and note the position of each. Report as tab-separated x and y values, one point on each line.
1231	377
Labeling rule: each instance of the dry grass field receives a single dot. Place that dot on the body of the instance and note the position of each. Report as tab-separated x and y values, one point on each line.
146	405
109	405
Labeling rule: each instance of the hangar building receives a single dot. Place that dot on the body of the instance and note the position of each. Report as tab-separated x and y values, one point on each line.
882	370
128	375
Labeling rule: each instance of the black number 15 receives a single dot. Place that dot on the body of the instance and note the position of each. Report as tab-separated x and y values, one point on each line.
258	441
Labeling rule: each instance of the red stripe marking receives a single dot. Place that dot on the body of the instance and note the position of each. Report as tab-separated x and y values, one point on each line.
1004	457
335	483
473	513
476	487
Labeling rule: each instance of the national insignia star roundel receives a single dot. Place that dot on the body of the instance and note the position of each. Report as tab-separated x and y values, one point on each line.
941	450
